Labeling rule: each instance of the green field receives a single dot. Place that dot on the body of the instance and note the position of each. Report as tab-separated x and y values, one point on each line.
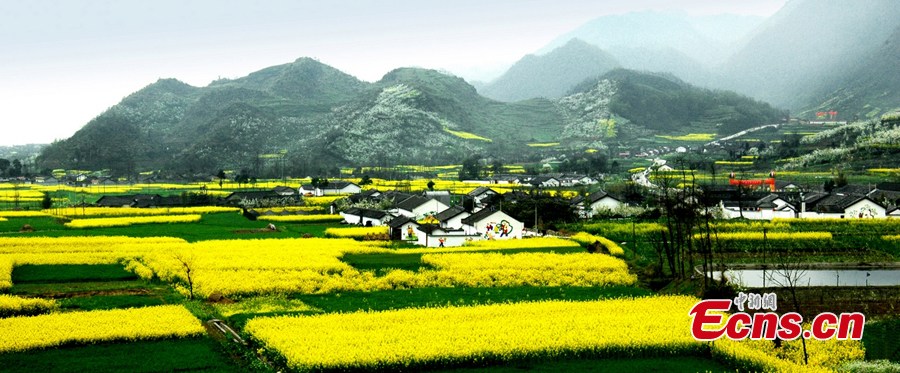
81	287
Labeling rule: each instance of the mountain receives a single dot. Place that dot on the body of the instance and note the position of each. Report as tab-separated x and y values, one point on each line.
673	42
550	75
809	45
662	103
868	89
262	123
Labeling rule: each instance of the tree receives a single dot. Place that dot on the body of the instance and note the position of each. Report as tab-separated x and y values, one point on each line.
4	164
365	180
430	184
497	167
221	176
471	168
16	169
46	202
187	263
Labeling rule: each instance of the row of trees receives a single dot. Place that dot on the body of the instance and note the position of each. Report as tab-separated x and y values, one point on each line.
13	168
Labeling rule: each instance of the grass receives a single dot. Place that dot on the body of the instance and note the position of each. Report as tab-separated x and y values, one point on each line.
62	290
210	227
462	296
880	340
650	364
384	262
70	273
192	354
439	297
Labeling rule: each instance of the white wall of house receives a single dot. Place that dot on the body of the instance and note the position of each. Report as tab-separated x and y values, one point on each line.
498	222
865	209
431	207
552	183
607	203
349	189
453	238
355	219
456	221
408	228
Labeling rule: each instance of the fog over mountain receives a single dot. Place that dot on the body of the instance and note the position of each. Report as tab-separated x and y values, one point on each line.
808	45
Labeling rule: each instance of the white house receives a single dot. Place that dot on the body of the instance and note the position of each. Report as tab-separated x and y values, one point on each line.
492	223
452	217
366	217
893	213
838	206
432	235
404	229
417	207
481	194
332	188
544	182
587	207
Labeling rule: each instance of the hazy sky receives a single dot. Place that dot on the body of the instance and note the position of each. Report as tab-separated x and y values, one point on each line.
64	62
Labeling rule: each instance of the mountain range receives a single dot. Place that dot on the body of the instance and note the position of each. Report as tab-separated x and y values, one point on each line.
410	116
615	81
812	55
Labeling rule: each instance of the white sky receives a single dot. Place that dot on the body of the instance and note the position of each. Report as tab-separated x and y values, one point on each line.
63	62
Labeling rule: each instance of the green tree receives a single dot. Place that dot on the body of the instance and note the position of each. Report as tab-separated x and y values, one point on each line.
471	168
430	184
365	180
46	202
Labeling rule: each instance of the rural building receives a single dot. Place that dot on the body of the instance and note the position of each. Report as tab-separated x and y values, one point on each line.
235	198
403	229
366	217
492	223
440	195
432	235
544	182
417	207
821	205
587	207
452	217
480	195
330	189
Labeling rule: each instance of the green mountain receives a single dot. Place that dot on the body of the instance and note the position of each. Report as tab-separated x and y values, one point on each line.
868	90
671	42
550	75
808	46
411	116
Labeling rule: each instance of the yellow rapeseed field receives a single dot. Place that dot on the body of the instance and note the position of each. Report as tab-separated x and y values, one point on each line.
13	305
355	232
531	269
453	335
24	333
22	214
129	211
585	239
315	218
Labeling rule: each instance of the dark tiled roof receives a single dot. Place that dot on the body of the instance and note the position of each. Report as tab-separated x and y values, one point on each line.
430	228
115	200
481	214
480	190
892	187
449	213
852	189
412	202
400	220
339	184
253	194
366	213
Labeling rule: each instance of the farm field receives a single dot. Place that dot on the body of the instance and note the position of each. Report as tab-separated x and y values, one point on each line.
273	287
